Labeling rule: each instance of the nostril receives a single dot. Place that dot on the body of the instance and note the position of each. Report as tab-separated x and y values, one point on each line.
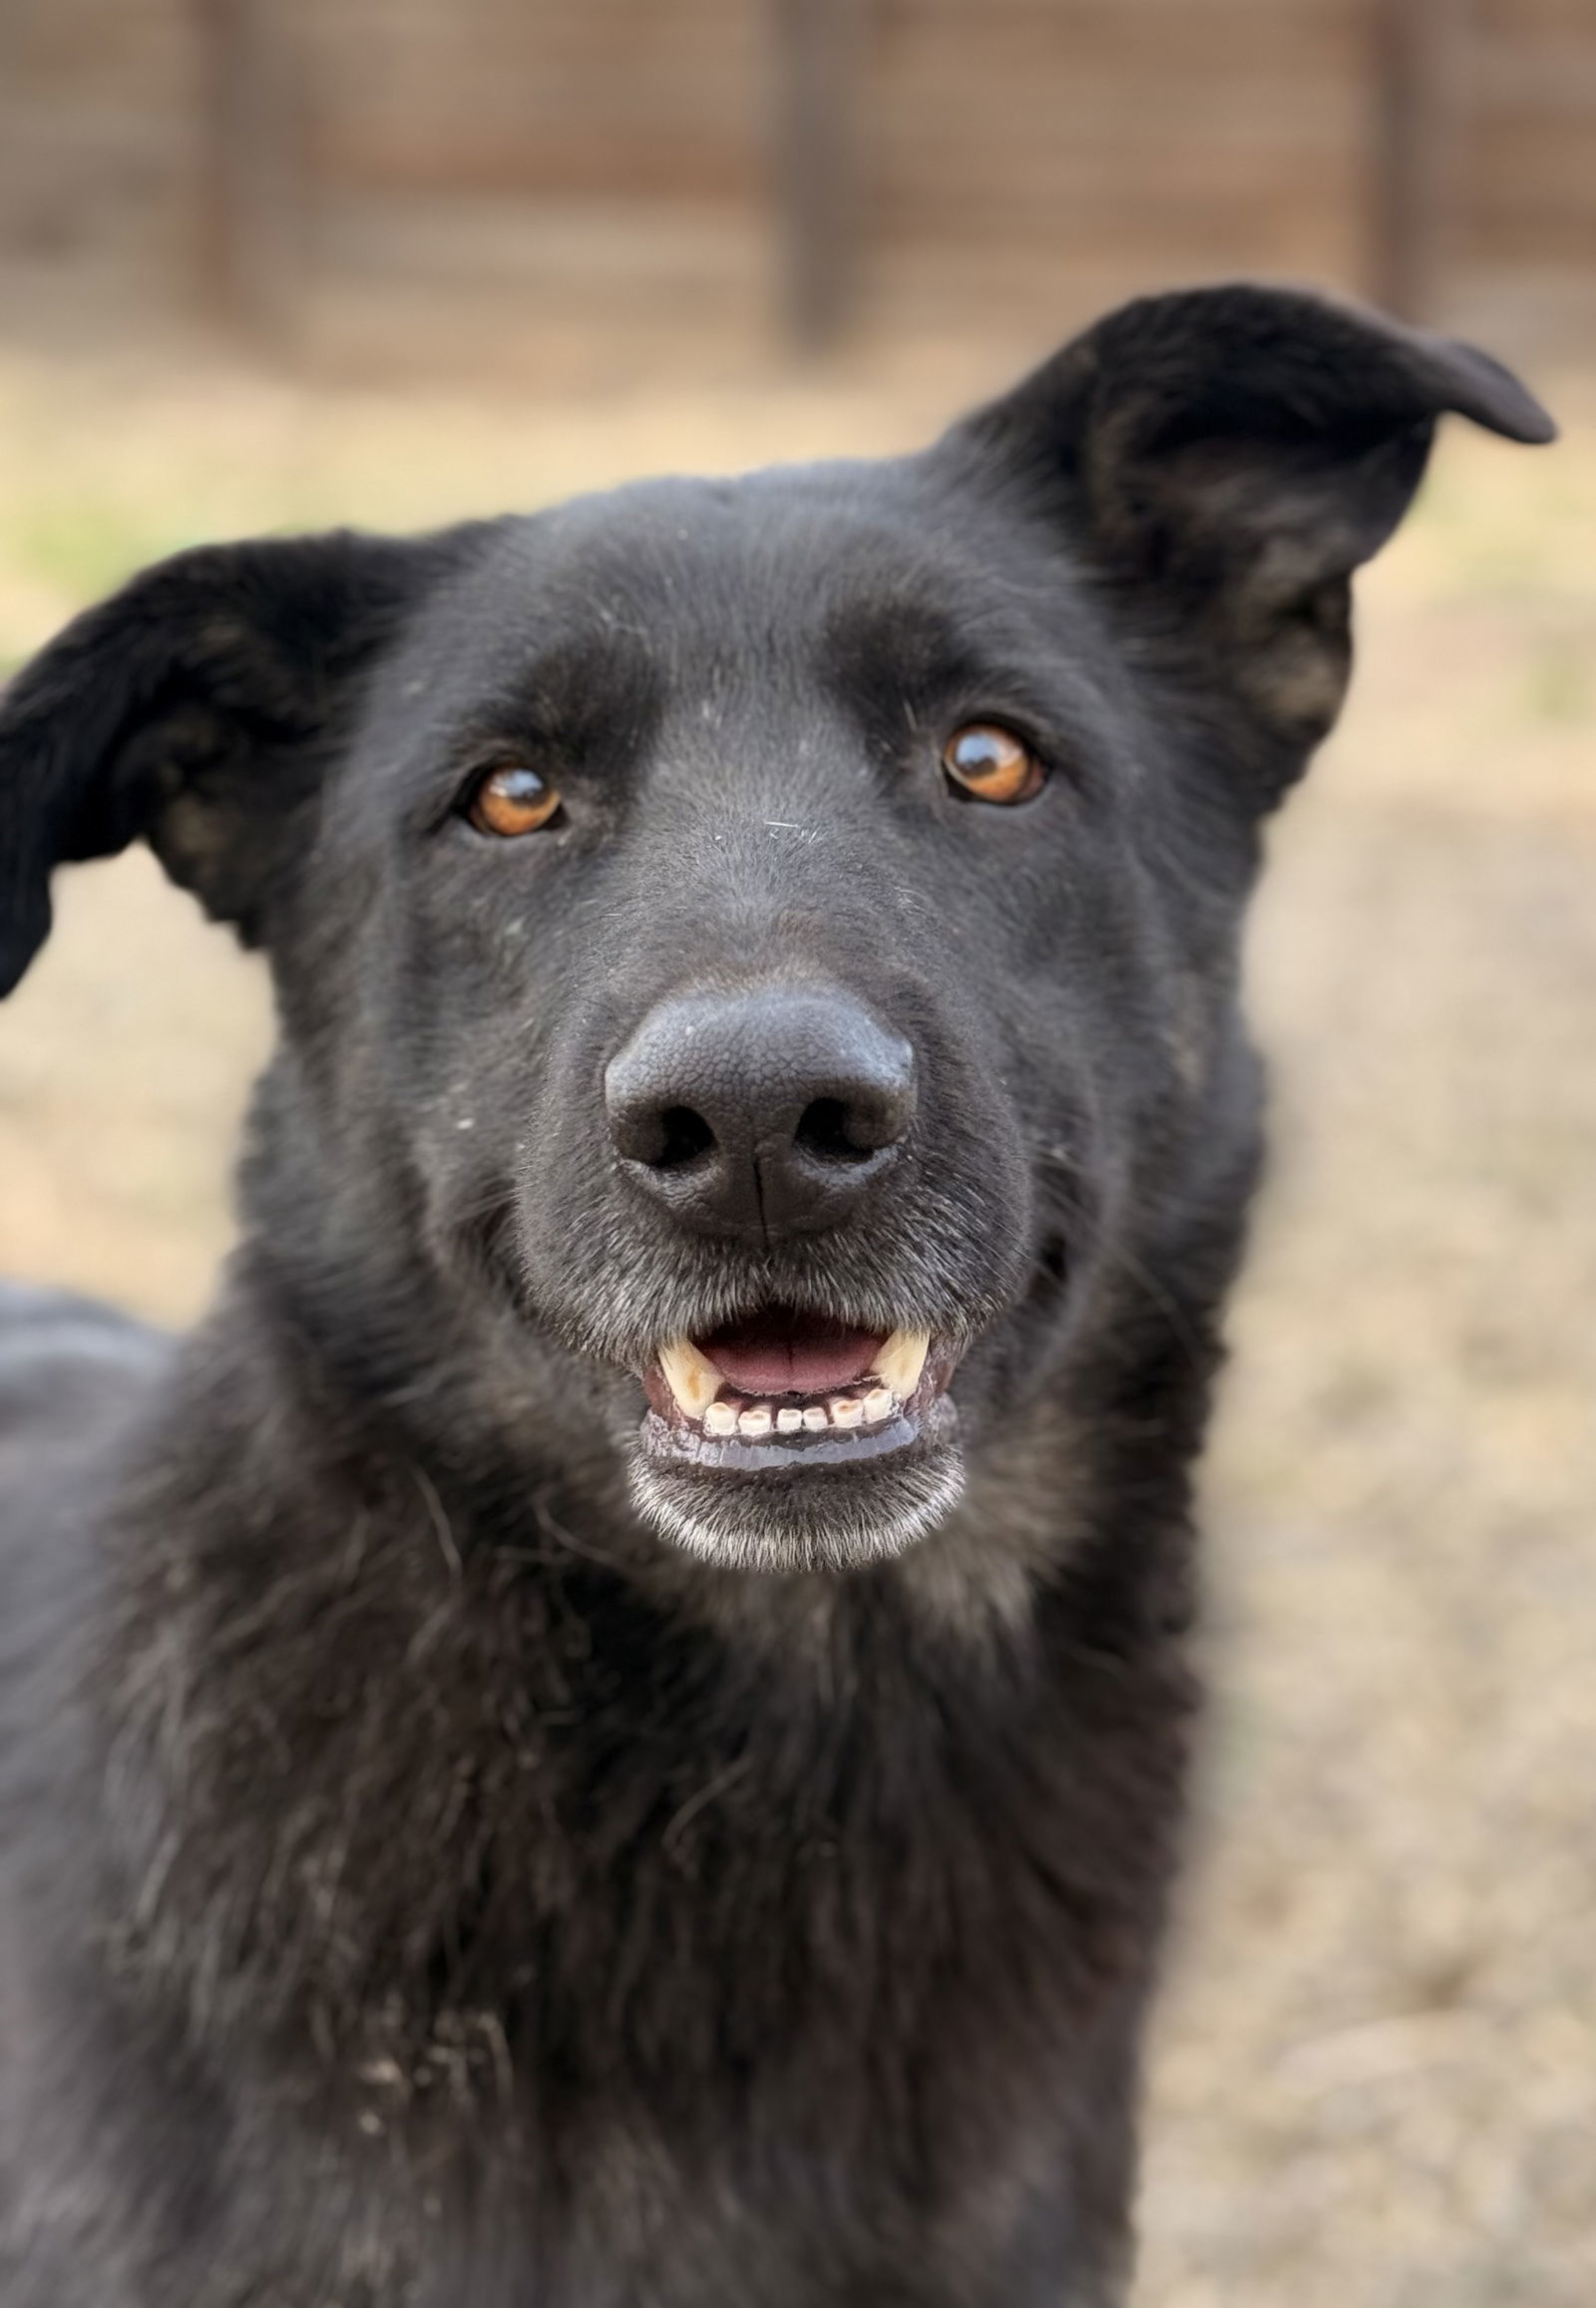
657	1136
682	1137
760	1115
828	1130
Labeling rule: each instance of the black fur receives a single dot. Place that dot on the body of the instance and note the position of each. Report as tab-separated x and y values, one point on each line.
425	1882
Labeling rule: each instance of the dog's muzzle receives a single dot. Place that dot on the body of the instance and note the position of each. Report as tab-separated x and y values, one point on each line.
769	1119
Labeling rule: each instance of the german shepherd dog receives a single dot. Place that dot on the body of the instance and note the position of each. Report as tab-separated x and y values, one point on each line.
609	1732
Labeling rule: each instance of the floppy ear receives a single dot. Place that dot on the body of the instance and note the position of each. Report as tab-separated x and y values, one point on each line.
1227	456
197	708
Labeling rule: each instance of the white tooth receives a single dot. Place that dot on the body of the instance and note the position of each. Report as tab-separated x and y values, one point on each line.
790	1420
901	1362
720	1418
847	1411
879	1404
754	1423
692	1377
815	1420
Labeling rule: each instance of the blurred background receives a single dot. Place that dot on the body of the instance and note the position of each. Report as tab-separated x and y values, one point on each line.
265	264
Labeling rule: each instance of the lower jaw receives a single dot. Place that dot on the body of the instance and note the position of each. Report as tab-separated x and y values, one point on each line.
670	1437
811	1503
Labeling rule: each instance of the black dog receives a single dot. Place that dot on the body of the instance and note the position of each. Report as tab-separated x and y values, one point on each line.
609	1732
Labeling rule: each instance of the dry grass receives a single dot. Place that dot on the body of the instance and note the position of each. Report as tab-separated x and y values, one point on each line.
1374	2079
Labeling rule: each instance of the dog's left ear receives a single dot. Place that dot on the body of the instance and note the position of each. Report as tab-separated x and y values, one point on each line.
1225	458
196	709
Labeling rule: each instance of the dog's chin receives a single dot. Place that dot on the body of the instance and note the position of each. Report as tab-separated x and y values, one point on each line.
790	1440
807	1518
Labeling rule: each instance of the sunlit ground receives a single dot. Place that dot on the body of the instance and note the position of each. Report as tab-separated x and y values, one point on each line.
1375	2078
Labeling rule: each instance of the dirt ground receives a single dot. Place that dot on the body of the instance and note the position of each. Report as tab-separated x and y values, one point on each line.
1374	2082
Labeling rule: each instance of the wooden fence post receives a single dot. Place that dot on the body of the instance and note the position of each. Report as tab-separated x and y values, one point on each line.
254	169
1418	64
817	53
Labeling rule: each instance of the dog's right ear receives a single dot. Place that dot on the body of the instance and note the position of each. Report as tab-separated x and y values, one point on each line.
195	709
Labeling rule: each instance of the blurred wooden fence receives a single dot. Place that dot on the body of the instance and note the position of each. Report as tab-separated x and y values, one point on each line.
914	161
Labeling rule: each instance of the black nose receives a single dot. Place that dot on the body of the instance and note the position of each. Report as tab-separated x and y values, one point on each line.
763	1113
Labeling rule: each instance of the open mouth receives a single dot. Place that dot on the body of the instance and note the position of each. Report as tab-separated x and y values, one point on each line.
780	1391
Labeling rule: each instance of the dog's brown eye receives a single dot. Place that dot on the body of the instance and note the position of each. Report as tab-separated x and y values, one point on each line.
512	801
991	764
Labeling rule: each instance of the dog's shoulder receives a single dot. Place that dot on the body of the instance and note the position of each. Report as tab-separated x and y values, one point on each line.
72	1373
69	1367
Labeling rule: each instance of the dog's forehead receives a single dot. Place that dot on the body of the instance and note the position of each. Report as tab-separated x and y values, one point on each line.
694	576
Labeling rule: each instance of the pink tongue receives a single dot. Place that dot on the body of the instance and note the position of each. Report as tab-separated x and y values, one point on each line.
790	1354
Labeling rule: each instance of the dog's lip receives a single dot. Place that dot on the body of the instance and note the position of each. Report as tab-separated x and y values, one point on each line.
884	1392
785	1357
786	1352
913	1428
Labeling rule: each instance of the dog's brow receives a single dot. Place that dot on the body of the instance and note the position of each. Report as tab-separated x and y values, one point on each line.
591	694
918	639
895	664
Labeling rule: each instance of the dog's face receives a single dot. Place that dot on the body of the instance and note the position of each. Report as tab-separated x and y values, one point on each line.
749	952
772	980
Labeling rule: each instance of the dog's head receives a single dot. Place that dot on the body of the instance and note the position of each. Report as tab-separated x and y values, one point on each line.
748	950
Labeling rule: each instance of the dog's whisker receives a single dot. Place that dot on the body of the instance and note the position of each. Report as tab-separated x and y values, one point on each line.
1111	1246
443	1529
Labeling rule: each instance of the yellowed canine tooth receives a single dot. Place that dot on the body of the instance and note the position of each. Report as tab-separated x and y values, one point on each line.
901	1359
692	1377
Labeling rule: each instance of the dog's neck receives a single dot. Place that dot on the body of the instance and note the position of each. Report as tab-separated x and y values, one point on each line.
382	1735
